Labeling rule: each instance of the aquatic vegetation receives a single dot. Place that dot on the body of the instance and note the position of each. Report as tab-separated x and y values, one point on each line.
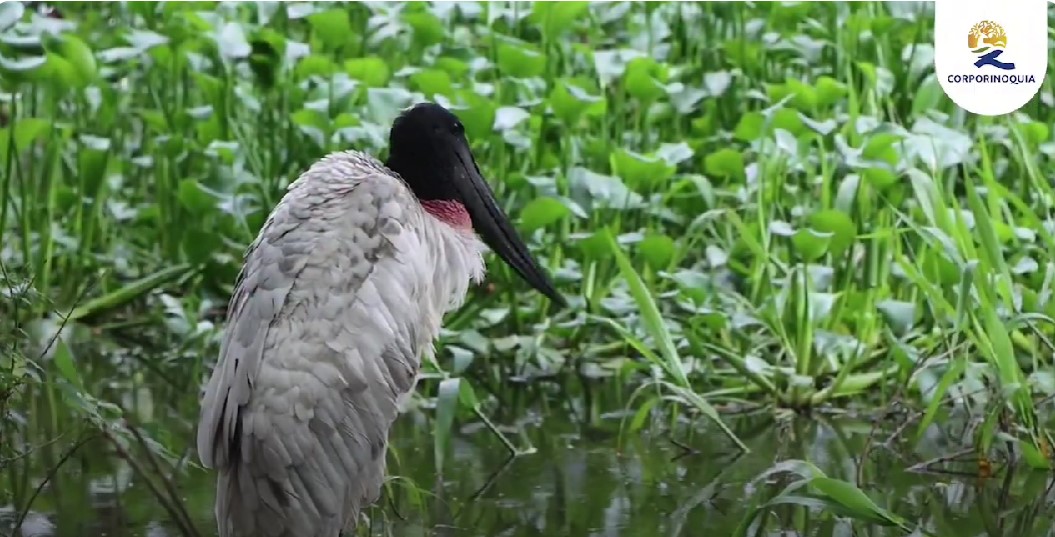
762	208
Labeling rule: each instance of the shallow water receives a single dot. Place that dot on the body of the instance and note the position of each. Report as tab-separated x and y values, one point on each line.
580	481
576	484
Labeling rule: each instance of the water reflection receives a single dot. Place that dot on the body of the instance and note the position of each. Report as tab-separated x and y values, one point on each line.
578	485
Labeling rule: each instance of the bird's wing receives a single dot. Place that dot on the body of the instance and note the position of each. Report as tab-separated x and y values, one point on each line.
325	332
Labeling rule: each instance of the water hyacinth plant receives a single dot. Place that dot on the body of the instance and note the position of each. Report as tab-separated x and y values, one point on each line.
809	293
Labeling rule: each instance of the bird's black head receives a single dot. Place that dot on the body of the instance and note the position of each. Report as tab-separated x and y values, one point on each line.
423	148
427	147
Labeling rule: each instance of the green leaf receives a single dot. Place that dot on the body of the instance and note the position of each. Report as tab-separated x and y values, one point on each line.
60	72
345	120
743	52
194	198
199	244
900	315
1000	351
699	403
30	130
63	360
467	396
520	60
830	91
657	250
639	170
458	69
333	27
130	291
810	244
881	147
788	119
479	115
92	160
432	82
880	178
726	163
937	396
805	96
856	503
595	247
428	28
309	117
653	321
645	79
642	413
939	269
541	212
928	96
1035	132
81	58
839	225
750	127
1034	457
315	65
570	102
556	18
372	71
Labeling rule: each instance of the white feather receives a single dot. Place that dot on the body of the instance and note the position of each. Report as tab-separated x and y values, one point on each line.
341	294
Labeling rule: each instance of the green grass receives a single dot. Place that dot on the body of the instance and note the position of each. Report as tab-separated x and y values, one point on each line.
775	207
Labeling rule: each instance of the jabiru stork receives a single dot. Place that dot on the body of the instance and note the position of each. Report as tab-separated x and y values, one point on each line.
340	295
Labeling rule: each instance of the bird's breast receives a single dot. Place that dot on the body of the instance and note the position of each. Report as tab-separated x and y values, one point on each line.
456	257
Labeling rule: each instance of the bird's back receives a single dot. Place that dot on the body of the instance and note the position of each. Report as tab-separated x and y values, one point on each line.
341	293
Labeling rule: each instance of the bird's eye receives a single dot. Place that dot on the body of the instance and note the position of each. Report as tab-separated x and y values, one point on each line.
457	128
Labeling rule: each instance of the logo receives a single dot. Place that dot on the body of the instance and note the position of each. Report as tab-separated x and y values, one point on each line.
1006	57
988	39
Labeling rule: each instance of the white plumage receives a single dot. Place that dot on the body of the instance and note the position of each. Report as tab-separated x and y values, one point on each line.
340	296
346	271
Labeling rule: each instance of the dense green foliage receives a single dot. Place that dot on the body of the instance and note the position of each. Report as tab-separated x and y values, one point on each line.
762	206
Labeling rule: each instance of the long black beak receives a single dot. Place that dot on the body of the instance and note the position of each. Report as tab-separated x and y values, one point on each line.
491	222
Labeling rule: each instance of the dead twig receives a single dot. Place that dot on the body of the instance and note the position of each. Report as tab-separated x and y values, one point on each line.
47	479
927	466
176	513
167	481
